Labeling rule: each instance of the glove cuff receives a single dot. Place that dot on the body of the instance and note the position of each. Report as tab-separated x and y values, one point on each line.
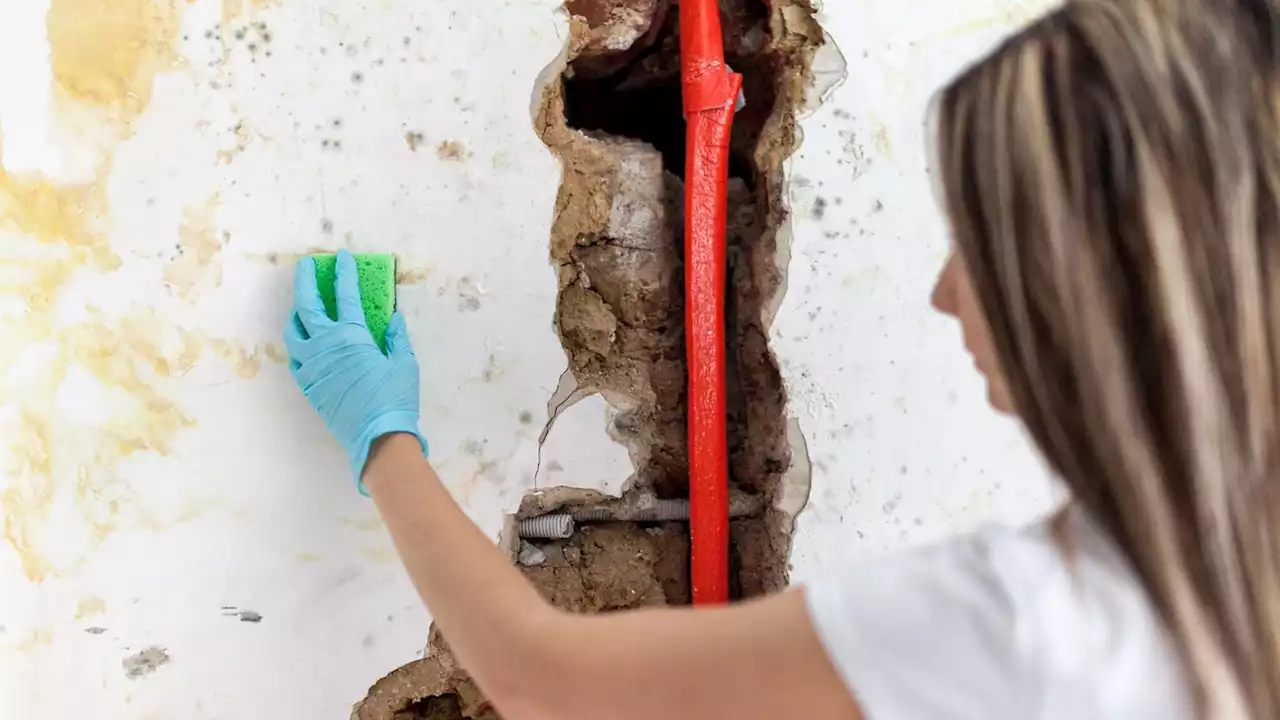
385	425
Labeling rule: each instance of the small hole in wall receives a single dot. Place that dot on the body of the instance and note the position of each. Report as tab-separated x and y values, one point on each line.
444	707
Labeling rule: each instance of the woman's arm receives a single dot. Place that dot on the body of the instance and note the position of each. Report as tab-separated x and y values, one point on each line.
756	660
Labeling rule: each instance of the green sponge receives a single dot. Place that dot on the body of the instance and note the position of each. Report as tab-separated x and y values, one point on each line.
377	289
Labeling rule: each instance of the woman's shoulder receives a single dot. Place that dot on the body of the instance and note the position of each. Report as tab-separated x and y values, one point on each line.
1088	621
1046	621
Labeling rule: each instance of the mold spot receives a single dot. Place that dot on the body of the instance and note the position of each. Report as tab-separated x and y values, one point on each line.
145	662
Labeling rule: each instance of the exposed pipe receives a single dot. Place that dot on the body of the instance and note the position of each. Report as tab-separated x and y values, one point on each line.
546	527
711	92
661	511
562	523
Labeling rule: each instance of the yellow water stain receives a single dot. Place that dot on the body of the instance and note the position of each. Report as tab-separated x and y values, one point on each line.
170	357
308	557
235	10
276	353
49	460
198	264
49	212
880	138
30	460
413	275
246	362
36	283
90	606
106	53
243	137
99	500
116	360
232	11
35	639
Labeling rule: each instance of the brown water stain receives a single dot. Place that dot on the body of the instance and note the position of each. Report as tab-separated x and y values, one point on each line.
451	151
414	275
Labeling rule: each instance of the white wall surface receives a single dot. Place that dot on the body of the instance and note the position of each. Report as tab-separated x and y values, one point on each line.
164	482
903	446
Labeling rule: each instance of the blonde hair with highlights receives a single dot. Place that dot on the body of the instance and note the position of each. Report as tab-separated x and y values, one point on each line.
1112	175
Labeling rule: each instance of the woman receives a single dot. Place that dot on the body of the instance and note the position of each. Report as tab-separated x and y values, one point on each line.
1112	177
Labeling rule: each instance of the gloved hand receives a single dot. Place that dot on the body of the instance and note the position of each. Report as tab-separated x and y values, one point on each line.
360	393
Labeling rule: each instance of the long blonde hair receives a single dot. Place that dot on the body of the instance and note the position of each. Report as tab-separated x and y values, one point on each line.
1112	175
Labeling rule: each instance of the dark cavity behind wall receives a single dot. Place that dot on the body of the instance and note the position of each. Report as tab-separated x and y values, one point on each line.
640	98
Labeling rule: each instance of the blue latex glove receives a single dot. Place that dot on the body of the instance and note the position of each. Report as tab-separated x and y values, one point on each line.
361	393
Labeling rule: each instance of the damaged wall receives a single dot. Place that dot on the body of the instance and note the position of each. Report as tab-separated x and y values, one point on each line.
181	537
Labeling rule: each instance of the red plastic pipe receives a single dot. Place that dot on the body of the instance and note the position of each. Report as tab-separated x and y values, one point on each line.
711	93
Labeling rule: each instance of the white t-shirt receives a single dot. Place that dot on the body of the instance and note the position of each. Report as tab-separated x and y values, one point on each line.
1000	625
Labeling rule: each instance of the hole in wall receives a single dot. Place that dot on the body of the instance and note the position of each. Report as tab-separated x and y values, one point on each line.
614	118
440	707
614	566
640	97
616	121
433	688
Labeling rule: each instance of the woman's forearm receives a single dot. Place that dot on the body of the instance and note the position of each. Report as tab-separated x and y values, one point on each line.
493	617
757	661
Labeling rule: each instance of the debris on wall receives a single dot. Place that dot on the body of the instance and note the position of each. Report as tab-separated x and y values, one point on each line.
615	120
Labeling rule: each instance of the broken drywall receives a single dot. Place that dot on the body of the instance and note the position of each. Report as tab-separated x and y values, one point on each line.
611	566
614	119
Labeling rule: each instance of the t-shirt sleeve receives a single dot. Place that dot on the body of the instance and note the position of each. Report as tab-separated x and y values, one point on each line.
930	633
